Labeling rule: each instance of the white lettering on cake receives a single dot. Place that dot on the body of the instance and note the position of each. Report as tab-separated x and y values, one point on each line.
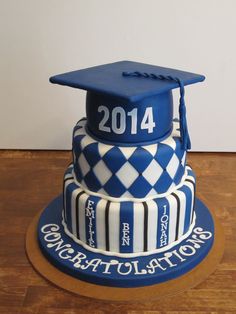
124	269
204	235
164	225
125	234
77	259
115	121
49	228
168	259
90	213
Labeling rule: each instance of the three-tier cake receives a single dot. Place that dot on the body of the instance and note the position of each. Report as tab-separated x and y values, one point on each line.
128	215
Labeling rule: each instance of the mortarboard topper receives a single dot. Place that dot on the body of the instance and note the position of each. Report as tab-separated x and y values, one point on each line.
130	103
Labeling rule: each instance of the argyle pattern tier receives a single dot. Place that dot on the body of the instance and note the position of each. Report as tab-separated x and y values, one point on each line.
137	171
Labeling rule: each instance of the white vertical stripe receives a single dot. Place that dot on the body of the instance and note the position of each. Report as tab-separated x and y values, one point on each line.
190	185
138	227
152	224
73	210
182	199
66	183
82	229
173	215
100	224
114	227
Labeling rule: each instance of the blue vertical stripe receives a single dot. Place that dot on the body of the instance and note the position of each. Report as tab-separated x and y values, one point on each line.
194	196
69	190
163	220
77	212
90	221
188	196
64	196
145	227
126	227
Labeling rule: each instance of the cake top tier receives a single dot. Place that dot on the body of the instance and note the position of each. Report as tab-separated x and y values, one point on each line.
129	102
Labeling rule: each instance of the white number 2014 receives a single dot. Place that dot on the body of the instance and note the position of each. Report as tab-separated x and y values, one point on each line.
118	120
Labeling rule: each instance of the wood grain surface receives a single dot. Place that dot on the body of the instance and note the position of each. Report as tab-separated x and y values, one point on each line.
28	182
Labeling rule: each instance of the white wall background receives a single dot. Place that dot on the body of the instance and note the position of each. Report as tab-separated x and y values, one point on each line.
42	38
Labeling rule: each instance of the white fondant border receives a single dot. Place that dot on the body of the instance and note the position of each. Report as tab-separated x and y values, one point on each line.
129	255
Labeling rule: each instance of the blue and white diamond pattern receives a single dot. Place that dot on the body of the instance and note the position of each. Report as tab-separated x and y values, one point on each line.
153	172
137	171
102	172
127	175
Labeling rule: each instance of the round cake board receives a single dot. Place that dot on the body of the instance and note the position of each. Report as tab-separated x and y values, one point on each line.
150	292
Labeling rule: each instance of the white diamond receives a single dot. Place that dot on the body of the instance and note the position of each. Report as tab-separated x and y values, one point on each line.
151	193
83	184
102	173
152	149
173	166
102	191
127	194
127	174
170	142
79	132
86	141
153	172
127	151
83	164
103	148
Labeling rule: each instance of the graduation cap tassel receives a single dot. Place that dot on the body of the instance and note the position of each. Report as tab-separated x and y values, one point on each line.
186	143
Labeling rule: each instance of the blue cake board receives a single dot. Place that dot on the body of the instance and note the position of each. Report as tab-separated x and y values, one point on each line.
73	259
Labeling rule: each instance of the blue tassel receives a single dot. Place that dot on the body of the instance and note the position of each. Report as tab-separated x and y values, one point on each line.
186	143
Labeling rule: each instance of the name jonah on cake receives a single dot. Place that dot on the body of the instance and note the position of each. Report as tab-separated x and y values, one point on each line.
154	263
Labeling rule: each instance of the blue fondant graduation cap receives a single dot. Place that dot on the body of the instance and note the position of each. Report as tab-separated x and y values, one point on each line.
124	89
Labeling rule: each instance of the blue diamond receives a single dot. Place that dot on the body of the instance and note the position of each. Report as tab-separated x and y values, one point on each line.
140	188
114	187
114	159
179	152
91	154
140	159
179	175
163	184
163	155
77	144
78	172
92	182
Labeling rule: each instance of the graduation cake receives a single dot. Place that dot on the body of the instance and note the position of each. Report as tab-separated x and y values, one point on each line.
128	215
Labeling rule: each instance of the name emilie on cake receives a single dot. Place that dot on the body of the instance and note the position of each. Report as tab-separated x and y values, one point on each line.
168	259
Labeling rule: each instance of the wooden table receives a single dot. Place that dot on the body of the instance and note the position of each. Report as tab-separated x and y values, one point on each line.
30	179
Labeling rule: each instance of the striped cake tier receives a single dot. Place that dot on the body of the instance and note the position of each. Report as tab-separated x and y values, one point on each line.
127	225
128	171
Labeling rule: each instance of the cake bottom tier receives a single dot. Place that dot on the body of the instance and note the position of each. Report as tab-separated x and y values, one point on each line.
127	226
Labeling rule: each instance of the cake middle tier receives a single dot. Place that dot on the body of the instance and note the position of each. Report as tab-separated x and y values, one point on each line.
121	226
128	171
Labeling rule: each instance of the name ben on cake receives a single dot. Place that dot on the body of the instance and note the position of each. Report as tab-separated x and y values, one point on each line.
125	239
